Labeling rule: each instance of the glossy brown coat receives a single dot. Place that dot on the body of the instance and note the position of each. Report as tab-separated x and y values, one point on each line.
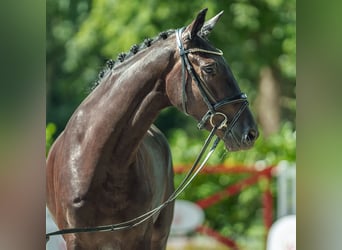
110	164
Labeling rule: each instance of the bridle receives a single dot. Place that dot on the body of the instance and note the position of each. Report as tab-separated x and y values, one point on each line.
213	106
209	99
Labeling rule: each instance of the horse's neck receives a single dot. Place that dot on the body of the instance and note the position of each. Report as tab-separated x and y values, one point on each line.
122	108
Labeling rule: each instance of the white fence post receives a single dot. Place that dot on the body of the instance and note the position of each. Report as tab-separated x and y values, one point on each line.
286	181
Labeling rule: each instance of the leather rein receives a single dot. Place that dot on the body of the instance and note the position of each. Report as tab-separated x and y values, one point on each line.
197	166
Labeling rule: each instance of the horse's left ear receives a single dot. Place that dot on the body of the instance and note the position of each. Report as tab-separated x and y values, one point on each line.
196	25
209	25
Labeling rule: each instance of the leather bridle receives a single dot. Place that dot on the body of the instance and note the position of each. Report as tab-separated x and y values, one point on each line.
209	99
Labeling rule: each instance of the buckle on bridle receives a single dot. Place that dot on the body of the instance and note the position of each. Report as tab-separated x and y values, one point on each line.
223	123
210	116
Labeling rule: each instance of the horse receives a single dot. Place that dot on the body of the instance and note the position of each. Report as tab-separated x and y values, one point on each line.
111	164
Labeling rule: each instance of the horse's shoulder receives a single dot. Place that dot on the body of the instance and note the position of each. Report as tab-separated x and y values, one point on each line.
155	144
156	135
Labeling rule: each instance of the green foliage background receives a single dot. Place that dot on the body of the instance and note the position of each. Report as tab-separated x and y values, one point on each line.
82	34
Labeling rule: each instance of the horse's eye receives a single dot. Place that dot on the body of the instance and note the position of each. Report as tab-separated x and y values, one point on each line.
209	69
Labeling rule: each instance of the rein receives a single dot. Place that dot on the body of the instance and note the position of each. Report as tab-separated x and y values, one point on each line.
197	166
195	169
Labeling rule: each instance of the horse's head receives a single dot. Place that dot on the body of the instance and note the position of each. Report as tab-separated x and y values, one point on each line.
206	88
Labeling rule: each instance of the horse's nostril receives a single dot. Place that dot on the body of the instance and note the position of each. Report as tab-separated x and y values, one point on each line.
252	134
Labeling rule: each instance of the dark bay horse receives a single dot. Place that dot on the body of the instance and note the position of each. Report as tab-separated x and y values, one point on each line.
110	164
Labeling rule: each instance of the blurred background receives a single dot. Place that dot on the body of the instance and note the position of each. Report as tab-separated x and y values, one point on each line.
258	39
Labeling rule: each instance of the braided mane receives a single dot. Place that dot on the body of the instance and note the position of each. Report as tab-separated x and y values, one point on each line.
111	64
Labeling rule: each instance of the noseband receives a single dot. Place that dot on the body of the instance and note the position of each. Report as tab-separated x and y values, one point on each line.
207	96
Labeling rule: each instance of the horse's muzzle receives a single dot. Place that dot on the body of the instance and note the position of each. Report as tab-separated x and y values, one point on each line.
244	141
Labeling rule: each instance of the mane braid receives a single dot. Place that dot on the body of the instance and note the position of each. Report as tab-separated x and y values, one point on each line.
121	56
148	42
134	49
111	64
163	35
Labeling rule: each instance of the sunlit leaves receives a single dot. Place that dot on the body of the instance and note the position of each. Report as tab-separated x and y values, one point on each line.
245	15
49	133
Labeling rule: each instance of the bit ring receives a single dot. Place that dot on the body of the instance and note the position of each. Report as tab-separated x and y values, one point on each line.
222	124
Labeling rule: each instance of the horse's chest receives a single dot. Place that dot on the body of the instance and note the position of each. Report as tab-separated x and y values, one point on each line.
120	194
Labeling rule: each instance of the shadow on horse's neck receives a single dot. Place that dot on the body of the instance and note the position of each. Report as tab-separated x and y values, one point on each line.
123	107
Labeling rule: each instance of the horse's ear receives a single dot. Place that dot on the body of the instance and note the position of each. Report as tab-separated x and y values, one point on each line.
197	24
209	25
